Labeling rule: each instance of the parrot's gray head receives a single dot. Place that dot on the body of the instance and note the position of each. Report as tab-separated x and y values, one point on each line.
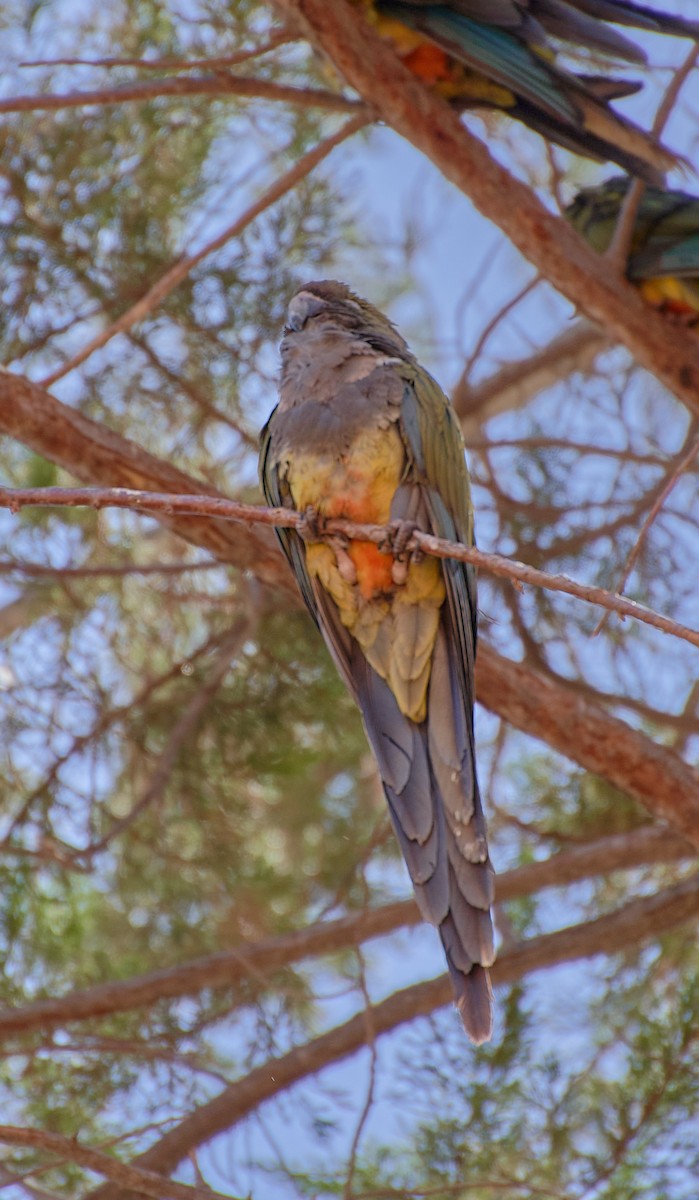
594	212
333	306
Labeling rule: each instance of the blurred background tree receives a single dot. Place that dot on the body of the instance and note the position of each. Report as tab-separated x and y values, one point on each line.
211	964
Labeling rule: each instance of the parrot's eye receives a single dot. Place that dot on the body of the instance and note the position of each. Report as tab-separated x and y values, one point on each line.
302	306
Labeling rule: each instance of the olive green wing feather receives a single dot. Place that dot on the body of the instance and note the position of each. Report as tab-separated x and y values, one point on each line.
438	471
278	496
433	436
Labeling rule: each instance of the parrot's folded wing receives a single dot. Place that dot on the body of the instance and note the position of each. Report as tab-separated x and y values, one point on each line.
679	259
290	542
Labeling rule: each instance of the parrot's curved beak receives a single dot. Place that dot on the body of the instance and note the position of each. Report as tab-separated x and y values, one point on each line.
302	306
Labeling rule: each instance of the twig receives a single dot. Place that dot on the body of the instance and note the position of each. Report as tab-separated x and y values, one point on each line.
618	250
181	731
123	1175
660	499
495	564
219	84
493	323
280	37
369	1099
104	722
182	267
41	570
515	383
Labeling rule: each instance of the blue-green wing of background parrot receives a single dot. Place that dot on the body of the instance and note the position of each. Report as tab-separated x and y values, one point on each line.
514	44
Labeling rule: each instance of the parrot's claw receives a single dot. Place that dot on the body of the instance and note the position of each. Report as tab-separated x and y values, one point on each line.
398	534
311	527
345	565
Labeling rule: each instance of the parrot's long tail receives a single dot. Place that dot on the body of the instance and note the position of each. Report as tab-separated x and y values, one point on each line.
429	777
639	16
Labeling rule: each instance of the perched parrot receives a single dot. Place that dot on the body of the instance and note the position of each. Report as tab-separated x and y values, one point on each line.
362	431
663	258
502	54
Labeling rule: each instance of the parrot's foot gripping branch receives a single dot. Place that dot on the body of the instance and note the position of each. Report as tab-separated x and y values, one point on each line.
398	535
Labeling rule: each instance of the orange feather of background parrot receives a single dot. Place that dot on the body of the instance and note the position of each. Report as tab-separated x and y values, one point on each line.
663	258
505	55
362	431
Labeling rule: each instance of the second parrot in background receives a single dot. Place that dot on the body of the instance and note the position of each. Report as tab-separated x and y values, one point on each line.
663	260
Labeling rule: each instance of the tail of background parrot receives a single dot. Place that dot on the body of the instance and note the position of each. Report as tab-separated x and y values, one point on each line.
508	63
663	256
638	16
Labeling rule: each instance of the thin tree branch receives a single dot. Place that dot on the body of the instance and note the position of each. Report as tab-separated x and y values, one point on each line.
107	719
371	1086
601	743
277	37
495	564
183	728
555	249
529	699
618	250
516	383
42	570
182	267
672	478
643	846
220	84
123	1175
632	925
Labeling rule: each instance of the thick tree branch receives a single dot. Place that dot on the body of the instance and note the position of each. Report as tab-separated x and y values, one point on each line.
123	1175
494	564
604	745
641	847
558	253
631	926
95	454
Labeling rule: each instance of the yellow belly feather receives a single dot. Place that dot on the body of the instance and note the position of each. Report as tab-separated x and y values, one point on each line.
395	624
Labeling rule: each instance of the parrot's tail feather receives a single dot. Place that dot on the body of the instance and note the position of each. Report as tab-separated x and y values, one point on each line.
474	1000
617	141
428	776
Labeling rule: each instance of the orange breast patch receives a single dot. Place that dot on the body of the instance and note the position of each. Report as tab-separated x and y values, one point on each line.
366	506
358	484
373	568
